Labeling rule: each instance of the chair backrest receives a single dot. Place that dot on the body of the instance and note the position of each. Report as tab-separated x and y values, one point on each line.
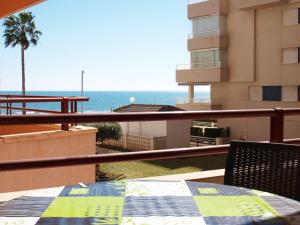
269	167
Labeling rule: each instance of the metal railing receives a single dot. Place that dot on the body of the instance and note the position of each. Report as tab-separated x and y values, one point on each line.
276	116
203	65
193	100
207	140
67	104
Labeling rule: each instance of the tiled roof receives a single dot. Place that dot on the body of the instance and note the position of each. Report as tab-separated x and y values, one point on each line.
147	108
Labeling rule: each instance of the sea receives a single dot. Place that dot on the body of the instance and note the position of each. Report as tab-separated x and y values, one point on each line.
107	101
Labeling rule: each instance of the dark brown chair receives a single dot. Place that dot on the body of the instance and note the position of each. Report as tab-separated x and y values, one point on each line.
269	167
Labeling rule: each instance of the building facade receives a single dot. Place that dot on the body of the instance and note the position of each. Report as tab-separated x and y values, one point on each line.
248	52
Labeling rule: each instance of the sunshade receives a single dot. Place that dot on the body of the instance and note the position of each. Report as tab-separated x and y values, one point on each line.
8	7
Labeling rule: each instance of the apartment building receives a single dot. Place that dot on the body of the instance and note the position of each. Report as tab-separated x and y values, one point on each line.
248	51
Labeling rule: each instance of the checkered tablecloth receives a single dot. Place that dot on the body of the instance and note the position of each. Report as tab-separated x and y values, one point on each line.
147	203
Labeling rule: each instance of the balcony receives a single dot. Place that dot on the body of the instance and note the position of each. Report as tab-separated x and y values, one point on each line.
207	40
255	4
197	8
198	104
202	73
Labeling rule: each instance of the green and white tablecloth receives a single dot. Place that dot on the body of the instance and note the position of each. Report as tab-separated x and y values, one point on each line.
149	202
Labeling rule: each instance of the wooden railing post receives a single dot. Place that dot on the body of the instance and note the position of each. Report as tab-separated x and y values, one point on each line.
72	106
65	109
75	106
277	126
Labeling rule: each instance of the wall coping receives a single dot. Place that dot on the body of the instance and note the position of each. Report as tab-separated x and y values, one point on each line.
75	130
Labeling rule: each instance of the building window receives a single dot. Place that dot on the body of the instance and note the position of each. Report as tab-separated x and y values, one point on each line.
291	17
289	93
271	93
255	93
208	26
290	55
209	58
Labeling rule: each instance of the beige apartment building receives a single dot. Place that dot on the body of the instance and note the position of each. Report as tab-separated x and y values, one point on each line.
248	51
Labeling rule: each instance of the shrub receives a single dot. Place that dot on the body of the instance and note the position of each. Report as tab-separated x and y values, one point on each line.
197	131
107	131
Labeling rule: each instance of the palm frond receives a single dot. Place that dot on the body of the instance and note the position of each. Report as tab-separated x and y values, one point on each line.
21	30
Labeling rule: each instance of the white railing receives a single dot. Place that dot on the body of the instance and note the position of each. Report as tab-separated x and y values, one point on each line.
209	141
193	100
207	34
190	2
204	65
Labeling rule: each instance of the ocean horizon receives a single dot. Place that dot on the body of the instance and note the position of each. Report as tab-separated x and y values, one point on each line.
106	101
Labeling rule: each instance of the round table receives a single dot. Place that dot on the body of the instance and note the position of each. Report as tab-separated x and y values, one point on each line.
137	202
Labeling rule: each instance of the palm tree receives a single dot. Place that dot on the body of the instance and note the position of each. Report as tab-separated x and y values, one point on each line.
21	30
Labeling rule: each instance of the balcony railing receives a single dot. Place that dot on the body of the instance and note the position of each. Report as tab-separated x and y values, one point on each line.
203	65
196	1
193	100
67	104
276	134
207	34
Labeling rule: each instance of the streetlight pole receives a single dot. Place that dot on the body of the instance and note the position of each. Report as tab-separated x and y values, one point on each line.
82	73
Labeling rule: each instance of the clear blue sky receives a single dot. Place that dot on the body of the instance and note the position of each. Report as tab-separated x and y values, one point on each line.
121	44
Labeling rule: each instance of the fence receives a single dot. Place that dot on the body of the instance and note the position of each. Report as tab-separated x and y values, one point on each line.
138	143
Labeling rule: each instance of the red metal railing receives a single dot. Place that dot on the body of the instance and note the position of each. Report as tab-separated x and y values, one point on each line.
68	104
276	134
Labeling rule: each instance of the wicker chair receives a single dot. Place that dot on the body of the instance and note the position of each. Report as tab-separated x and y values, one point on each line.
269	167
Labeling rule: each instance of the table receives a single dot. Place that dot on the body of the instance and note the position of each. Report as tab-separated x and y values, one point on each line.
136	202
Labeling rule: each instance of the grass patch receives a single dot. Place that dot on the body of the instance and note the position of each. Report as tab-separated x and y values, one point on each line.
139	169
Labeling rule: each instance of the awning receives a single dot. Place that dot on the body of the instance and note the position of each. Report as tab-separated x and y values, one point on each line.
8	7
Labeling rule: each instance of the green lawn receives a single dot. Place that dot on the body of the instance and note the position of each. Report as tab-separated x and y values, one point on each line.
140	169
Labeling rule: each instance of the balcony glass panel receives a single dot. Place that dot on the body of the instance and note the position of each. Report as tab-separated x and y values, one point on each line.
209	58
208	26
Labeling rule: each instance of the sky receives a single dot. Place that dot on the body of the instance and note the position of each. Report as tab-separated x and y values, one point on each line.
120	44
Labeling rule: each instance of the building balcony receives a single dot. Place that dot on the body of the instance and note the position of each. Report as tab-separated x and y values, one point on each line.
202	73
255	4
198	104
207	40
197	8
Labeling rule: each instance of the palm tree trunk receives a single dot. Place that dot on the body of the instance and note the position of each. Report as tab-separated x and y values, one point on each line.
23	78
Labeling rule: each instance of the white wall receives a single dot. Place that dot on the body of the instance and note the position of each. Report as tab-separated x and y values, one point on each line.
178	133
151	128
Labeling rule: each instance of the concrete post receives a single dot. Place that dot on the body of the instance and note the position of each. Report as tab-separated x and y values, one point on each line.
191	94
